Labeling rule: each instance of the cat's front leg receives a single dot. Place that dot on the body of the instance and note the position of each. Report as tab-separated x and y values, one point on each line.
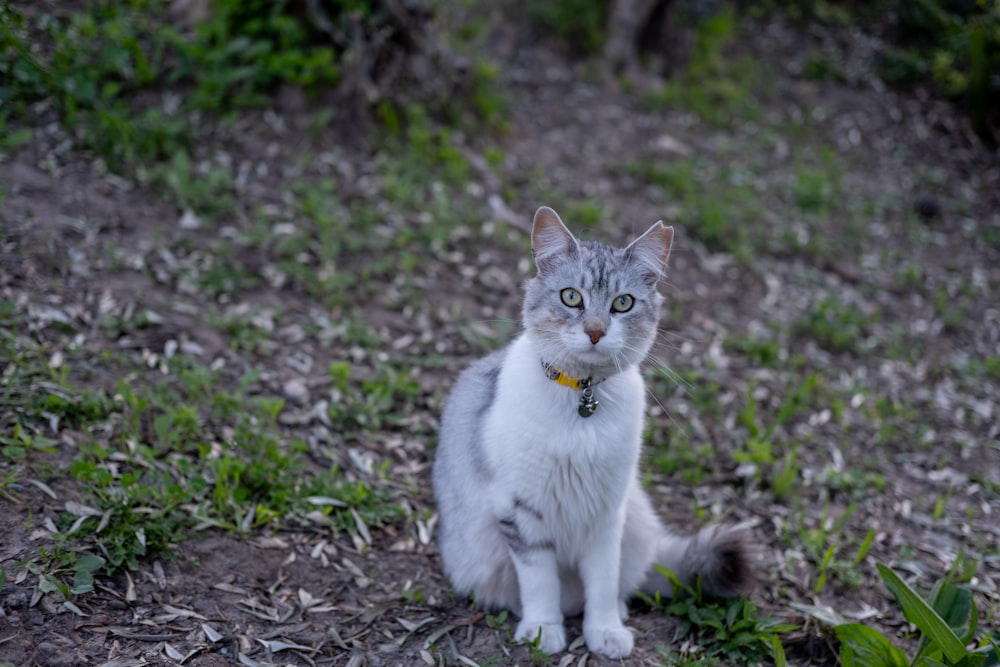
602	617
538	581
541	614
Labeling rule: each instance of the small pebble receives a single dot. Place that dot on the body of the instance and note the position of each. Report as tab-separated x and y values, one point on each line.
295	390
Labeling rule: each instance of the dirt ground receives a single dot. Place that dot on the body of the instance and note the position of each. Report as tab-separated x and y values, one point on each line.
303	597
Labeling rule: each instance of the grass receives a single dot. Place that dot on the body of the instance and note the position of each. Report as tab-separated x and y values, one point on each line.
206	190
720	200
838	326
336	249
760	351
162	456
718	86
180	446
714	206
377	403
822	543
772	459
94	61
729	200
580	23
139	92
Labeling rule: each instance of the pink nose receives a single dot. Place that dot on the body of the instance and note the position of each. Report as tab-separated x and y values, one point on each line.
595	335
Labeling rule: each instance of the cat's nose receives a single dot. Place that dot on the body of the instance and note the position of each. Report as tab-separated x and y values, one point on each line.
595	335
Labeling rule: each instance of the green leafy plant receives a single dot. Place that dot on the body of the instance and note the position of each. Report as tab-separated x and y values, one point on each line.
730	631
248	47
87	64
65	575
947	621
36	396
90	64
8	484
953	44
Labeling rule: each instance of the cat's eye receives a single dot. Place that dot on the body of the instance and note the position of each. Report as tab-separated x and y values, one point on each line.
571	297
622	303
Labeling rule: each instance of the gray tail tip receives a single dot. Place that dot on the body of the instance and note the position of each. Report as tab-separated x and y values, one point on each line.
728	559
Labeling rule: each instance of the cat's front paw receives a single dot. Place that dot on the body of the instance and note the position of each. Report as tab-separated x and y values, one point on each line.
550	637
614	642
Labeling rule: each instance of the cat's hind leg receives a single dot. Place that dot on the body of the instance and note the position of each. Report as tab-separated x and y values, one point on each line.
640	538
571	592
477	561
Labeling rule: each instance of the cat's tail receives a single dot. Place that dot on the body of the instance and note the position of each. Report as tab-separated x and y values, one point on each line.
724	558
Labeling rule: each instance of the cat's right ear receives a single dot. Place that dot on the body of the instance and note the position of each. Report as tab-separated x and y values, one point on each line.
652	250
550	238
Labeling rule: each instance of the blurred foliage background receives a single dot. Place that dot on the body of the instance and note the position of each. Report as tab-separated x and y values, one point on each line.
93	61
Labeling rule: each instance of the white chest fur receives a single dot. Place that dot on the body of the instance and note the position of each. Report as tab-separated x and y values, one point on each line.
574	470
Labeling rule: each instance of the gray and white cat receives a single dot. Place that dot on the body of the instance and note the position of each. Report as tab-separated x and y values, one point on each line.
536	473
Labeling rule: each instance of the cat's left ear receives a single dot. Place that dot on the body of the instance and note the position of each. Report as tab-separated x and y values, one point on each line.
652	250
550	239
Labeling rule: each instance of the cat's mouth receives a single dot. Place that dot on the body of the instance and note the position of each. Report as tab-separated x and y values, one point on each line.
602	349
596	357
583	358
594	353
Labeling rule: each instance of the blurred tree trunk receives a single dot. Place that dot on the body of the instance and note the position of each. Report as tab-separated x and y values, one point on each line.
646	32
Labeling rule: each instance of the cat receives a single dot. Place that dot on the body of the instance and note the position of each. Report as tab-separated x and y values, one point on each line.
536	471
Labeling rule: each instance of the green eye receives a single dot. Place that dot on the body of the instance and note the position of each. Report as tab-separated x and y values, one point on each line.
571	297
622	303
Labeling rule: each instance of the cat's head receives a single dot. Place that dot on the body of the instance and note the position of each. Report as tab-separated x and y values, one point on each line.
593	309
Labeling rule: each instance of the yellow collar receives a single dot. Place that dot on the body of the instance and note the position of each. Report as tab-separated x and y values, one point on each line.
588	404
559	377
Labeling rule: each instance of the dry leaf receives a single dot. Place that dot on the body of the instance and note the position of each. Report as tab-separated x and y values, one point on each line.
183	613
229	588
44	487
211	633
362	527
172	653
275	646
